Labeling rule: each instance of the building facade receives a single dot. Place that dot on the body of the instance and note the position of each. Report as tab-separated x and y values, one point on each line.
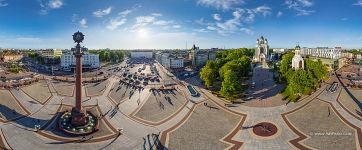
89	61
322	52
142	54
261	50
200	57
169	61
50	53
176	62
297	61
10	56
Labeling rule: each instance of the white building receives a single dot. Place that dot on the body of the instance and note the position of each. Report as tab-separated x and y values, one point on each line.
297	61
176	62
89	61
322	52
142	54
261	50
165	60
169	61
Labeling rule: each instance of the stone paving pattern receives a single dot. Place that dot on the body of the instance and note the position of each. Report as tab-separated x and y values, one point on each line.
64	88
121	92
315	119
9	108
96	89
348	102
204	129
158	107
38	91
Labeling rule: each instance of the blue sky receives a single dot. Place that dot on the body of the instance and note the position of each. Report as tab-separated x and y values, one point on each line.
163	24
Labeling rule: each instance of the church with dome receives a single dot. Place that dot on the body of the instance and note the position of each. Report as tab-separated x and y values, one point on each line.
297	61
261	50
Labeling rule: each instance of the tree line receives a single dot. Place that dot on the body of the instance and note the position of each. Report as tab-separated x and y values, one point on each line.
112	56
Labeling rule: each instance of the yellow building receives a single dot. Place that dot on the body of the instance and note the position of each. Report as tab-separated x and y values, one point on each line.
50	53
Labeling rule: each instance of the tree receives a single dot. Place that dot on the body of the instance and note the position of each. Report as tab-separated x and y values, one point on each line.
230	86
301	81
286	62
209	73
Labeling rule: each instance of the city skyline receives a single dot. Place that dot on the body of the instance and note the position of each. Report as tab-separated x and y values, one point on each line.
163	24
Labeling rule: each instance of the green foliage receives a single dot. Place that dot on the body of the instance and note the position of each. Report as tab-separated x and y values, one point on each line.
209	73
14	68
230	85
301	81
286	62
32	54
230	68
110	55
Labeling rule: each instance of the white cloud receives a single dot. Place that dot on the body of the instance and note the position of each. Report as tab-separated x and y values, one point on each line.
240	17
264	10
55	4
162	22
115	23
143	21
176	26
300	6
221	4
211	28
3	3
47	5
201	30
153	19
279	14
217	17
247	31
201	21
358	3
126	12
79	23
83	23
157	14
100	13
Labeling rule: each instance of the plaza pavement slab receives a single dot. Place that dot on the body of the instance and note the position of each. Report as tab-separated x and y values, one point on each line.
39	91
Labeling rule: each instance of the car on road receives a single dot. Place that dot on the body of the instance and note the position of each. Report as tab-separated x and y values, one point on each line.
249	98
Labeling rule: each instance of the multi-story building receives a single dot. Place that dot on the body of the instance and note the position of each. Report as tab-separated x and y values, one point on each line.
10	56
200	57
322	52
89	61
169	61
50	53
142	54
176	62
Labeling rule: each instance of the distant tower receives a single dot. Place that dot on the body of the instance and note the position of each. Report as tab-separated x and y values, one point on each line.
192	54
297	61
261	50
